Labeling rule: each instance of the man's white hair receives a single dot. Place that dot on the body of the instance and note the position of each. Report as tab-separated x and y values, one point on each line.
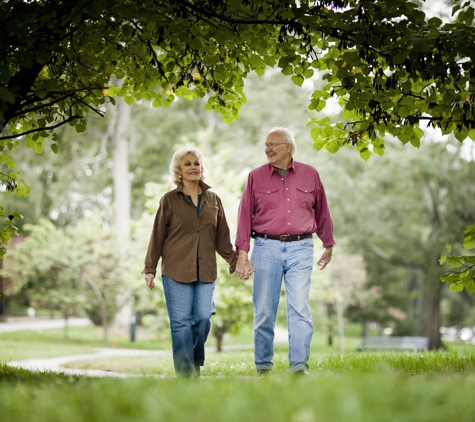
175	175
288	136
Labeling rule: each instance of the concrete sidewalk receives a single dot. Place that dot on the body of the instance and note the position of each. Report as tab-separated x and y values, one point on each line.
21	324
56	364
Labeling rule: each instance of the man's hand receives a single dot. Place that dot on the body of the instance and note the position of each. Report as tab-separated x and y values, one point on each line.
149	280
243	267
326	257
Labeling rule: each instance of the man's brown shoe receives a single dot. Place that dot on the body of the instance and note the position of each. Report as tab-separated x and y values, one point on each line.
264	372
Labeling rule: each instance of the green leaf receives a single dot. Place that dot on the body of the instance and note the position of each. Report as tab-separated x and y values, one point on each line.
456	287
332	147
287	70
448	248
435	22
256	61
129	100
415	142
308	73
469	237
54	148
194	43
400	57
470	285
365	153
442	259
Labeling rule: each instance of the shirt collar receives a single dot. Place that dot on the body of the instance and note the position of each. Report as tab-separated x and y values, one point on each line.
272	169
204	187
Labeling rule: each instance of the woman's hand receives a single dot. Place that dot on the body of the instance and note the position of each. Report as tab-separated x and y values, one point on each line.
244	268
149	277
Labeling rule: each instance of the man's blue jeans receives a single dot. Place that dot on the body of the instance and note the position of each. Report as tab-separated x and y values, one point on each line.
190	306
293	261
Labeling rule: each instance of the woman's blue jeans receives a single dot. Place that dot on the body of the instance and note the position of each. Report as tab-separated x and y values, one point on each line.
190	306
293	261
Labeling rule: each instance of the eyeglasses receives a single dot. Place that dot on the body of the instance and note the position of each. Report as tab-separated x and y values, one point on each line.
273	145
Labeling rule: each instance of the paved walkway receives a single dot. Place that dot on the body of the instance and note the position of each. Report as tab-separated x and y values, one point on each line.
20	324
56	364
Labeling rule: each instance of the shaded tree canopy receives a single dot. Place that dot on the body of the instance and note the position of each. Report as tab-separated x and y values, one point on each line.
391	67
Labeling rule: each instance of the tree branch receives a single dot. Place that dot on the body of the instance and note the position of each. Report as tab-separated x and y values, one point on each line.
40	129
383	255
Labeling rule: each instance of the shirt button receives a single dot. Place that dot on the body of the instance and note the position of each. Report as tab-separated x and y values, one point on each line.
288	211
288	199
289	224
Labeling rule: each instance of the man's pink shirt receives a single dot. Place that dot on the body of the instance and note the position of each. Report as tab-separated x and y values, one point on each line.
294	204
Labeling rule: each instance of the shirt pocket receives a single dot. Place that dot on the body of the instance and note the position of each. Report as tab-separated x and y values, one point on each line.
306	196
209	215
267	198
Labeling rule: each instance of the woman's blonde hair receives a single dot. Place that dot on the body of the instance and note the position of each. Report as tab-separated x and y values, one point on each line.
177	158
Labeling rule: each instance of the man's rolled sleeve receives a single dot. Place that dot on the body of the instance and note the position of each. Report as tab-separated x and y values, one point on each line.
323	219
245	213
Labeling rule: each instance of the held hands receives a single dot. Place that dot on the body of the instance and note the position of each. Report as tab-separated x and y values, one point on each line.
325	258
244	268
149	277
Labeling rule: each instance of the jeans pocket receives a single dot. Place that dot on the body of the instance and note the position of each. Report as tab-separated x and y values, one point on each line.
307	242
259	241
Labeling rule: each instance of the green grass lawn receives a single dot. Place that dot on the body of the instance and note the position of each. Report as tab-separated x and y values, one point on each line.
356	386
362	388
31	344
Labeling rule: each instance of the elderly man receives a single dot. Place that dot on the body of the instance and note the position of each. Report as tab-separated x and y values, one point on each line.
282	205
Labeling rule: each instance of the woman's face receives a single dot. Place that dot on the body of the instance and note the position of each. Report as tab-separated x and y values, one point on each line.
190	168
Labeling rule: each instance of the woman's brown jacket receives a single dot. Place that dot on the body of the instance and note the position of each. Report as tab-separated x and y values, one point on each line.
180	237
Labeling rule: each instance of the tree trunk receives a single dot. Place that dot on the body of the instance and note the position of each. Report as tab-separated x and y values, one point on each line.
365	328
330	312
65	313
103	308
219	335
3	314
119	121
340	308
429	319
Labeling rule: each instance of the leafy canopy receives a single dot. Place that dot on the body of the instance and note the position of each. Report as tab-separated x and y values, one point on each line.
391	67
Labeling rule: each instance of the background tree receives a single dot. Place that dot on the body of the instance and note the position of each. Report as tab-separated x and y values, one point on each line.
73	270
41	267
407	206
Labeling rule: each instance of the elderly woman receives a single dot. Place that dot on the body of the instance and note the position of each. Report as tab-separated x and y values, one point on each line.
190	227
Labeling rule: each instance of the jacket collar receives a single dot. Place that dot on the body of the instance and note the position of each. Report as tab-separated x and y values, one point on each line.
204	187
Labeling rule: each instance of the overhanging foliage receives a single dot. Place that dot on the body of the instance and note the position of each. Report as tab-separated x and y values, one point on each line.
391	67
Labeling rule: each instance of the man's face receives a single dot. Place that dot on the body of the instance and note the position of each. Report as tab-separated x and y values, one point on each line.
278	151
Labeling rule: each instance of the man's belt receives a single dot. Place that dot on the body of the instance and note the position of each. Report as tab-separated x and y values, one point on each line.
283	237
